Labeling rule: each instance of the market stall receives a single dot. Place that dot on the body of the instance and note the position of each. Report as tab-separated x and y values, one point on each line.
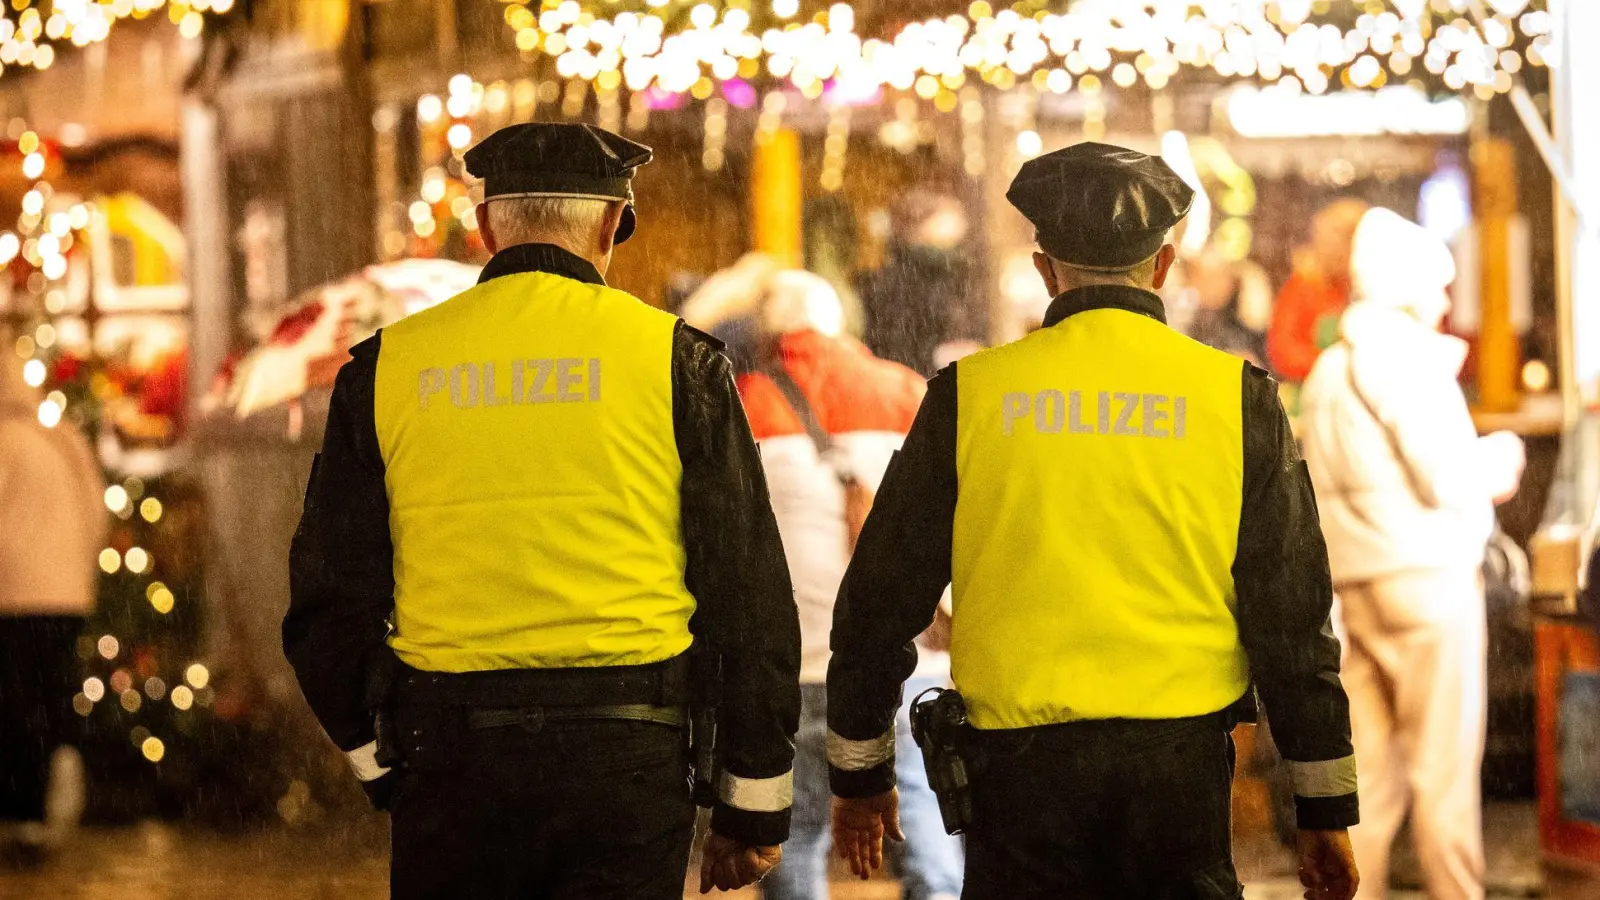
1568	637
252	446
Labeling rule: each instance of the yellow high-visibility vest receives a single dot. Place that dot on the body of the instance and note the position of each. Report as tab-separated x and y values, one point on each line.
1100	465
533	477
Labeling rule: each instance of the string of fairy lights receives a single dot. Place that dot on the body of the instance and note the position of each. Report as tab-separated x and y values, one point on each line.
760	54
1477	43
1126	40
30	31
47	229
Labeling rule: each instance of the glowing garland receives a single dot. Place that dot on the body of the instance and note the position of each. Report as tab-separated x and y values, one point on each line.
30	40
1125	40
680	47
42	239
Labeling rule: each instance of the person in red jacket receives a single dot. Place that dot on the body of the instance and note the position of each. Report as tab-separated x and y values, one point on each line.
828	415
1306	318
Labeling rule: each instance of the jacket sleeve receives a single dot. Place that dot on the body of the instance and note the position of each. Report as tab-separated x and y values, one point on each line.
1284	599
736	570
341	568
890	592
1291	341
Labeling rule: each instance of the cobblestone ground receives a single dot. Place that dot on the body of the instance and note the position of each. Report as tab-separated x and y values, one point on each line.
163	862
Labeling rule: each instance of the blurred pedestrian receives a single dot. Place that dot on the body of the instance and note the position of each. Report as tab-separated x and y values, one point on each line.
52	525
1305	318
1132	543
532	501
1229	304
1589	577
828	416
919	300
1407	491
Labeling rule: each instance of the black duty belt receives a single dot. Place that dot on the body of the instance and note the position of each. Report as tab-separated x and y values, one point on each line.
663	684
534	718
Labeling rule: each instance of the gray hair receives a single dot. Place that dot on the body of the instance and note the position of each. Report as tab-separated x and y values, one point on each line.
571	222
1141	274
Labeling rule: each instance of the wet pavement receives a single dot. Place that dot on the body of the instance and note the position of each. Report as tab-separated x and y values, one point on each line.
159	861
1511	850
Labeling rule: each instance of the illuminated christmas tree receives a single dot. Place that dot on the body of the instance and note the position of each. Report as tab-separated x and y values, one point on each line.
149	733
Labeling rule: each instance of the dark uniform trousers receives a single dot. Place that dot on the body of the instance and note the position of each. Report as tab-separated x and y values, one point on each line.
539	809
591	809
1106	810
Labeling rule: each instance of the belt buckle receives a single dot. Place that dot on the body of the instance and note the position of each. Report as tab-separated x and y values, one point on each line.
532	719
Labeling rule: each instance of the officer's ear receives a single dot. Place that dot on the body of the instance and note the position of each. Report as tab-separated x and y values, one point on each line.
490	243
1046	267
1164	260
608	228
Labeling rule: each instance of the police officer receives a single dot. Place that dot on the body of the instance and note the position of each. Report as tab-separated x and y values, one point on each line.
1132	540
530	500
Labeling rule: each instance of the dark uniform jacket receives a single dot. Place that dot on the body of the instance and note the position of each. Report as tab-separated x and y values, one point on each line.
1284	593
342	579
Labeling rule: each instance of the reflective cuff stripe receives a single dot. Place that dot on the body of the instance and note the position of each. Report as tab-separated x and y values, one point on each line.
855	756
364	760
757	794
1330	778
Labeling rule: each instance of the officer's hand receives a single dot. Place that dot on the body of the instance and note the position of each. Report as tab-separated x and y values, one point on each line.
1328	865
859	826
727	864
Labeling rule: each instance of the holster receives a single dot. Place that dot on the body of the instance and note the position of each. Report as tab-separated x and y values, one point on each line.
1244	711
939	726
382	675
705	698
435	712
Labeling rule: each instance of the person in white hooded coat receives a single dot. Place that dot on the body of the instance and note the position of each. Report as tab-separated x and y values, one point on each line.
1406	490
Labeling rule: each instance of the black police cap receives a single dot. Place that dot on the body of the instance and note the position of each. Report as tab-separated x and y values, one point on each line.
1100	206
555	159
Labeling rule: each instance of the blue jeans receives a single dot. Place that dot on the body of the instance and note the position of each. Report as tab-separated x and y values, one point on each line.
930	860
